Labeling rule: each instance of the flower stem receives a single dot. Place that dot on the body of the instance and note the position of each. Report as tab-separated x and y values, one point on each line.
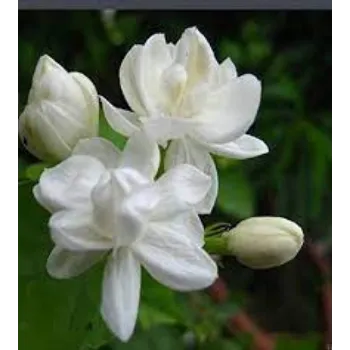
217	245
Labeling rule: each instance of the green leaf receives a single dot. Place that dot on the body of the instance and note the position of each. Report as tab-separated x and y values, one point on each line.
222	344
157	338
53	314
46	314
284	89
34	171
150	316
22	166
231	49
97	333
33	242
287	342
163	299
258	51
236	195
108	133
252	31
226	310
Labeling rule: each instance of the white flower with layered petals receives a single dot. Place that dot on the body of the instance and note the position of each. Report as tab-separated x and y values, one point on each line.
62	108
106	201
181	93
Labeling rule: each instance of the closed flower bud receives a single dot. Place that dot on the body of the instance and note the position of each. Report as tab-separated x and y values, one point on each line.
265	242
62	108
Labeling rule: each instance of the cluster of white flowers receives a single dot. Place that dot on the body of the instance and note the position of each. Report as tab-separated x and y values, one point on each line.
106	202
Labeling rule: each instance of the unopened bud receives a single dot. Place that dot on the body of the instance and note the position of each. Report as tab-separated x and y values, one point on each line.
265	242
62	108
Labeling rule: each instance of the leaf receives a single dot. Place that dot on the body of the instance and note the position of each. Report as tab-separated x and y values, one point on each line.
157	338
319	183
150	316
252	31
53	314
302	173
318	163
33	241
97	334
222	344
310	342
34	171
166	301
22	166
258	51
284	89
231	49
108	133
225	311
236	195
47	317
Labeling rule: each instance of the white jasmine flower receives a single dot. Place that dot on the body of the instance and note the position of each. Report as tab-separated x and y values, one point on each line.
103	201
265	242
181	93
62	108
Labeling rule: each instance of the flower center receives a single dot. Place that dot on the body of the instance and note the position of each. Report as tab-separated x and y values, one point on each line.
174	83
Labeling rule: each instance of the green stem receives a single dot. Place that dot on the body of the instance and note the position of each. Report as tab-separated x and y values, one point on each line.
217	245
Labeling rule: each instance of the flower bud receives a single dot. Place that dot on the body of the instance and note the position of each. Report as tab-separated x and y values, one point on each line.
265	242
62	108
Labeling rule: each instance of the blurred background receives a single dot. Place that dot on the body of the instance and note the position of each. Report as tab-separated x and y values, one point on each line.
284	308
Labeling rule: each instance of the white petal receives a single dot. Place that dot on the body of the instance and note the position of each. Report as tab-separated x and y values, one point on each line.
195	228
132	218
90	94
185	151
131	225
107	197
130	76
101	149
45	68
167	205
230	111
71	122
57	85
121	293
120	120
186	182
194	53
130	179
43	126
64	263
172	49
141	153
45	63
39	137
155	59
246	146
153	206
194	100
163	129
175	261
75	230
69	184
185	222
224	73
110	210
171	88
